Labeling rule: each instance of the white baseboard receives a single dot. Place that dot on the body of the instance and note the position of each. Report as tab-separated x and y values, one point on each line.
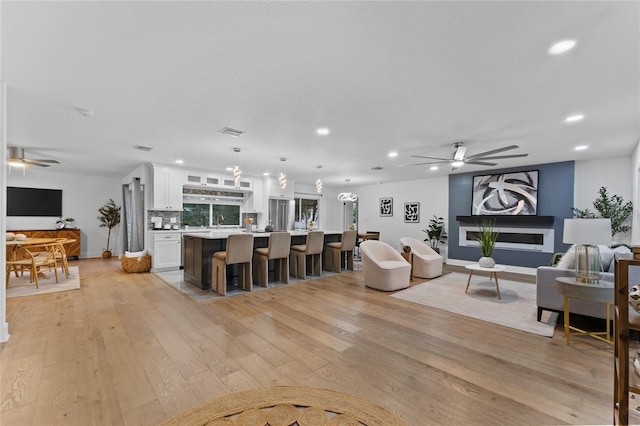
516	269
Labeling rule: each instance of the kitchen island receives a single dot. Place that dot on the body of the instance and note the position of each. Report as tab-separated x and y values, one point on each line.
198	249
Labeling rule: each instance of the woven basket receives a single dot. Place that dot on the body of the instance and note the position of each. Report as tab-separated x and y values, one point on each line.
136	264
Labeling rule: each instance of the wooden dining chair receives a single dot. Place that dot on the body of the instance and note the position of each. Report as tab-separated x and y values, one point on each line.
60	253
34	261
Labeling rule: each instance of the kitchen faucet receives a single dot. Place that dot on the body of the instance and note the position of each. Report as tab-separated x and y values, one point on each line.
218	219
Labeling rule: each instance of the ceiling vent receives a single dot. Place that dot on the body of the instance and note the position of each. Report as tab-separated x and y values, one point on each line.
231	132
142	148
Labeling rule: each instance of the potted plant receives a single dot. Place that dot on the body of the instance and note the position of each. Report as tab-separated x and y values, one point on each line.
487	238
70	222
436	233
110	218
609	207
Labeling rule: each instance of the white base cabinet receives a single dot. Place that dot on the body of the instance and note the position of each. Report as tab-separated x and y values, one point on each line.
167	252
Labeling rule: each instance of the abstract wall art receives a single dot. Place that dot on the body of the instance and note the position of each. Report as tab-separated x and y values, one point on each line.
505	194
386	207
412	212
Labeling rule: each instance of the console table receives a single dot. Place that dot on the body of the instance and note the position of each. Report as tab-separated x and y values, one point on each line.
72	249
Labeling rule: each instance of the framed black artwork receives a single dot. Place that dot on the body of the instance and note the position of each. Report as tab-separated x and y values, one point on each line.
412	212
386	207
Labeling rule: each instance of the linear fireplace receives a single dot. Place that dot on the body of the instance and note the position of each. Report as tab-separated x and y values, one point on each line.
512	238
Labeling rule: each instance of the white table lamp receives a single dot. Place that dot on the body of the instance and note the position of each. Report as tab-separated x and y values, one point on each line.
587	234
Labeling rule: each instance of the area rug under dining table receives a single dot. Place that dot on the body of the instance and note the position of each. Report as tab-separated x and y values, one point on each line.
20	286
517	309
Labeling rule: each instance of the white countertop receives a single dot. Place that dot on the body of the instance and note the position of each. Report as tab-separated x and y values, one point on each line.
222	233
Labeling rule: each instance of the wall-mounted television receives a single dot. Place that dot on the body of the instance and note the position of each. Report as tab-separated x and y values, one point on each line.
34	202
505	194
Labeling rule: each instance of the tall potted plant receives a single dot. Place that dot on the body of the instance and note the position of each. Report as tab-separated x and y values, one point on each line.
436	233
487	237
109	218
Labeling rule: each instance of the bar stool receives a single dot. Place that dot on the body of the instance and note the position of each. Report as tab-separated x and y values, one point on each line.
278	251
340	255
239	250
299	253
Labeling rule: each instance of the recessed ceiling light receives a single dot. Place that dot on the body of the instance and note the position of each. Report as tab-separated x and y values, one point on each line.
179	161
323	131
393	154
457	163
574	118
229	169
433	168
85	113
562	47
581	147
347	180
319	166
377	168
266	174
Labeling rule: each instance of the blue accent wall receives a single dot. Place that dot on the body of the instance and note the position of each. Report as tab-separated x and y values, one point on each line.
555	198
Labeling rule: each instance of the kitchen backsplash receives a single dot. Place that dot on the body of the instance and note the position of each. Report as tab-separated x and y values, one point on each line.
169	218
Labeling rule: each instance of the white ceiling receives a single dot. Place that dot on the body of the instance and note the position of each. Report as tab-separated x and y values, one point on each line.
407	76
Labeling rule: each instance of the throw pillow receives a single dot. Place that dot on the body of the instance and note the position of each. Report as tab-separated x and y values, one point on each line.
568	260
606	256
620	248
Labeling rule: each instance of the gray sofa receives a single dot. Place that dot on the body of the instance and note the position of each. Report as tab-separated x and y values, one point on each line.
548	298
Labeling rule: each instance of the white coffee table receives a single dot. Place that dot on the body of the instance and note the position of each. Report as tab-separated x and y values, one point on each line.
493	273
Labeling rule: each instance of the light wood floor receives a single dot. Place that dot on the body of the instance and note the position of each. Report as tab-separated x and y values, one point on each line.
129	349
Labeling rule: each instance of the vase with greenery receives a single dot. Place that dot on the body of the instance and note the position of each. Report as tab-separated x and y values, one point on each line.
609	207
487	237
109	218
436	233
69	222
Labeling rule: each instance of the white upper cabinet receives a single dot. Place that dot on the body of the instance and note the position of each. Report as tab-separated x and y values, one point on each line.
195	179
273	189
167	188
229	183
257	196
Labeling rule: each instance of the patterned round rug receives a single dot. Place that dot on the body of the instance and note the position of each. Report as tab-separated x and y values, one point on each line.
287	406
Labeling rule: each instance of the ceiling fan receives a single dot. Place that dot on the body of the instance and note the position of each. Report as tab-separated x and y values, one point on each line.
17	158
460	157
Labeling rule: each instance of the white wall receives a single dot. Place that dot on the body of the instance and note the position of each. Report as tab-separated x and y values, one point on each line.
591	175
613	173
635	195
82	196
432	194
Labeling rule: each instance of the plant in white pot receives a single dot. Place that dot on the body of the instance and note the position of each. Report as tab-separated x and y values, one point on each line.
487	237
109	218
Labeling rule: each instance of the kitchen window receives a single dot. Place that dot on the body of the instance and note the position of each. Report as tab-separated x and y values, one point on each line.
196	214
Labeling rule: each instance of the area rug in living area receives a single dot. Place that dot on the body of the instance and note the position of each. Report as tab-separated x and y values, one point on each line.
20	286
517	308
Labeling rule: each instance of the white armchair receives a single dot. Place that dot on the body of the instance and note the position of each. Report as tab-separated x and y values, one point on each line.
427	263
384	268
